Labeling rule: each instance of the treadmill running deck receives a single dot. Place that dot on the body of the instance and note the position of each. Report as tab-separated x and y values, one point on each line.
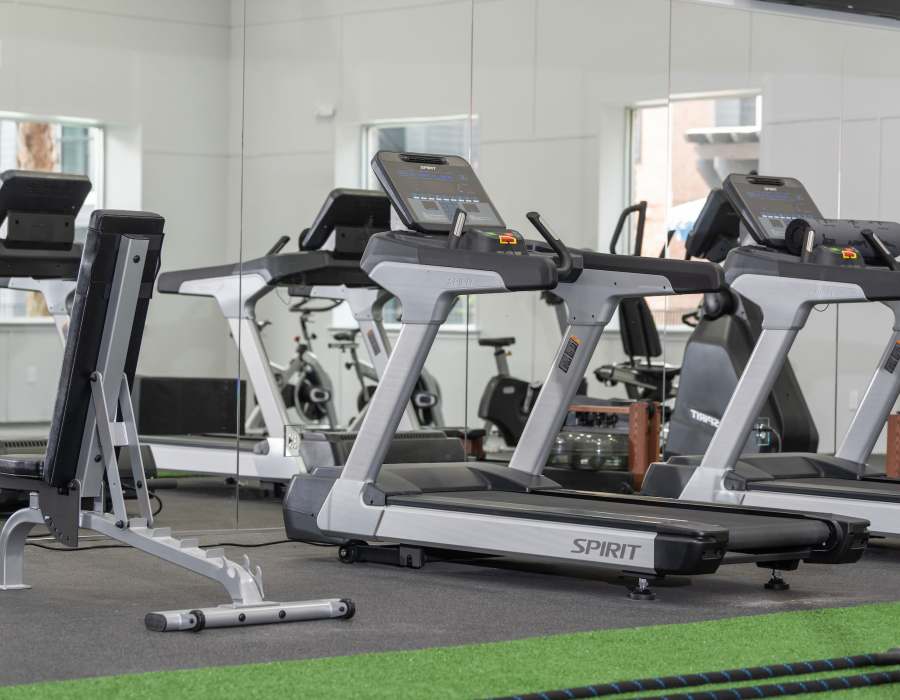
825	487
745	532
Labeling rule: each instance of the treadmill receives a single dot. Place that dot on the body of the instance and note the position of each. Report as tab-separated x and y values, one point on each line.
457	244
38	252
326	267
793	261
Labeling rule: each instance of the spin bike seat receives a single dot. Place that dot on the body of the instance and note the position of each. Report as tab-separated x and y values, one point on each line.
346	336
496	342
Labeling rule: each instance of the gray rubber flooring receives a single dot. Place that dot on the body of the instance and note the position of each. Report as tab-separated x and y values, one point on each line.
84	616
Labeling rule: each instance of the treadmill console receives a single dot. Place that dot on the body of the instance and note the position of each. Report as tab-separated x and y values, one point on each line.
346	221
716	230
779	213
427	191
40	208
768	204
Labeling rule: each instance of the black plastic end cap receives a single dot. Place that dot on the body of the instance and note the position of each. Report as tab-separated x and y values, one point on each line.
155	622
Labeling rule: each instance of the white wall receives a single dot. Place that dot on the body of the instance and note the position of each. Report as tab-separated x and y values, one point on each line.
551	100
549	81
547	84
315	72
831	117
156	76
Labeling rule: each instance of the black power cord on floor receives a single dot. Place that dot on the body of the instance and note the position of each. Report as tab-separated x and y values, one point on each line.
52	548
692	680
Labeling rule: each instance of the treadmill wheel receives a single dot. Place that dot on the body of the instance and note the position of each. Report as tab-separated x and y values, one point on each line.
347	553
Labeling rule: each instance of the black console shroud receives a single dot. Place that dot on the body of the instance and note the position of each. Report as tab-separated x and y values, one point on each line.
427	190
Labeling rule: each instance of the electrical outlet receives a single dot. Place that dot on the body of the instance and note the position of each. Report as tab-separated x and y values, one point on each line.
853	400
31	374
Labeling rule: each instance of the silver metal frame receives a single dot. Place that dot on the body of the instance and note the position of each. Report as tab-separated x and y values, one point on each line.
237	296
427	294
103	434
786	303
876	404
56	294
589	305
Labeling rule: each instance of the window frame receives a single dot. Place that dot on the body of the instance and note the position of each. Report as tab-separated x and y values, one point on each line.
631	113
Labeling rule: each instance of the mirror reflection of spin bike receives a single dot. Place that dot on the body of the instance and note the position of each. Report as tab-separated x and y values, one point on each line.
426	397
304	384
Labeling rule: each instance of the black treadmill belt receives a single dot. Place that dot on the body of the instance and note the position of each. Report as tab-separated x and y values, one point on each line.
824	487
747	531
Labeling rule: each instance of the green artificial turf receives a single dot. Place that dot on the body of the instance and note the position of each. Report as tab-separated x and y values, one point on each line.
527	665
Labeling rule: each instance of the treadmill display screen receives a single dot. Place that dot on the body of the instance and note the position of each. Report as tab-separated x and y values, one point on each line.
432	191
771	203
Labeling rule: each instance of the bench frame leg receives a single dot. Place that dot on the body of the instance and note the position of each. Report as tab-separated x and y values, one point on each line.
13	538
242	582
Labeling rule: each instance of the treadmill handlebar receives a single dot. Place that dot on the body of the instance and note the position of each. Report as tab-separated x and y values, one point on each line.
878	242
880	248
565	266
456	231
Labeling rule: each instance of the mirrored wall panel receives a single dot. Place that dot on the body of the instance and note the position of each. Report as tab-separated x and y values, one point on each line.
324	93
571	123
633	130
136	100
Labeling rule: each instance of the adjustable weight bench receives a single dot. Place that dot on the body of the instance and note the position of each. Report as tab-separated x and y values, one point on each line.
94	417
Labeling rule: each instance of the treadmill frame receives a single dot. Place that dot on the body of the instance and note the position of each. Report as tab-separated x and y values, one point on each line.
356	509
786	304
237	296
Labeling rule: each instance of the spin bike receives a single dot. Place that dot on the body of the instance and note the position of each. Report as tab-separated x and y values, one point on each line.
425	398
303	383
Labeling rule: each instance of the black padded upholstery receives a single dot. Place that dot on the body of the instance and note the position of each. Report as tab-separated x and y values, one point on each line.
88	318
31	466
40	263
497	342
346	336
640	337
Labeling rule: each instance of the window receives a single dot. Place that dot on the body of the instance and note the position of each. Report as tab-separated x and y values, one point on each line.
456	135
59	147
679	152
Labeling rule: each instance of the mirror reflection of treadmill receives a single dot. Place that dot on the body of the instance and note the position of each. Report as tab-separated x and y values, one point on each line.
405	513
38	253
773	272
326	267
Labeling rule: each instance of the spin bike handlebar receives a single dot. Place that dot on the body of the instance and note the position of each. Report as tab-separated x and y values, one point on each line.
279	245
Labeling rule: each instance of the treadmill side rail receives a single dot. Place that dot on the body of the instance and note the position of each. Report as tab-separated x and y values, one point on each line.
875	407
625	549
